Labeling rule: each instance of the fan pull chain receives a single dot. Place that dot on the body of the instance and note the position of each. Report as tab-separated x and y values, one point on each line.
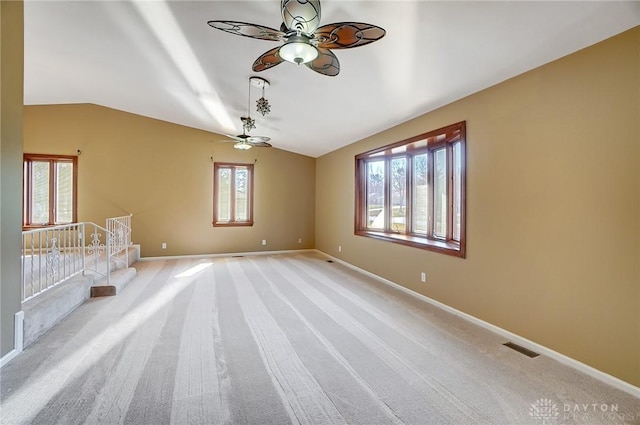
248	123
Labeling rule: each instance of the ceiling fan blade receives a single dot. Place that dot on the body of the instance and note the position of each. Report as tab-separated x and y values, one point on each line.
326	63
257	139
260	144
301	15
248	30
268	60
235	138
247	138
344	35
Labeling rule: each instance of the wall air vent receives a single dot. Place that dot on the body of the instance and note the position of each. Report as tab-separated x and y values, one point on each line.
521	349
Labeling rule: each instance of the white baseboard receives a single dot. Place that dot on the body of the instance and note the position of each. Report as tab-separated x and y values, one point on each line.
584	368
8	357
228	254
18	335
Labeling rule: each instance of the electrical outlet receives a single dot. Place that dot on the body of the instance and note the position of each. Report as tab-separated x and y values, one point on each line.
339	248
423	277
164	245
299	240
264	242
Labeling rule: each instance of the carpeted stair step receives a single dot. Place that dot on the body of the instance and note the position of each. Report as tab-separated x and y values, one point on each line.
119	279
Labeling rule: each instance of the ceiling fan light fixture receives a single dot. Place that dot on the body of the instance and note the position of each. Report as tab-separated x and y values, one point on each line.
298	50
304	40
243	145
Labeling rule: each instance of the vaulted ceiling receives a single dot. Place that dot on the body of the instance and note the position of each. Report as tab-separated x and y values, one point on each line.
160	59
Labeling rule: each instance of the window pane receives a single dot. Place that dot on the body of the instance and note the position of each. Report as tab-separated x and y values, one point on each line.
40	193
398	194
457	190
233	197
440	193
412	192
64	192
224	194
420	194
242	204
375	195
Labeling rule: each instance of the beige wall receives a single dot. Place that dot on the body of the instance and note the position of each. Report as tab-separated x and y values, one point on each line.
11	99
553	247
162	173
553	225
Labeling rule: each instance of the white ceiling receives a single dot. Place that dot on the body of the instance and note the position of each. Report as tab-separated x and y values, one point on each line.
160	59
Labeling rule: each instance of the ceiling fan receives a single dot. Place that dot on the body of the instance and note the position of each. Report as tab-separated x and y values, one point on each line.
245	141
304	41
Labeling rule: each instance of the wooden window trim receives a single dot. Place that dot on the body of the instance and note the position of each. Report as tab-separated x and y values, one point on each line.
27	161
231	223
409	148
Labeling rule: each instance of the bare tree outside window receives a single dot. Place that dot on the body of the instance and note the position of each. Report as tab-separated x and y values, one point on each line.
50	195
233	194
413	192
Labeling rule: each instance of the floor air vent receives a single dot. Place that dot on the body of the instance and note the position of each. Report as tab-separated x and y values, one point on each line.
521	349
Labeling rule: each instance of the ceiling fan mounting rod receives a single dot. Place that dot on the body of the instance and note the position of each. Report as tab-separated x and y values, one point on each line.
259	82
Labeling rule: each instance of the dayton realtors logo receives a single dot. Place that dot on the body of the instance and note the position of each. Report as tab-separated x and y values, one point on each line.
548	412
583	412
544	409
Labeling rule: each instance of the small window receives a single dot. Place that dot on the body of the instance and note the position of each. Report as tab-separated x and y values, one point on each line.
50	190
413	192
233	194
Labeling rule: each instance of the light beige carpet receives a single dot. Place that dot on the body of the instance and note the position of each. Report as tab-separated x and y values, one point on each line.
286	339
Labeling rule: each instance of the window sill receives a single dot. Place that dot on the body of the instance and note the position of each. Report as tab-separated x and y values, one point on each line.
233	224
44	226
448	248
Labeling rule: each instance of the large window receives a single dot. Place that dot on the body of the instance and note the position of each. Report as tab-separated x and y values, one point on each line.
233	194
50	190
413	192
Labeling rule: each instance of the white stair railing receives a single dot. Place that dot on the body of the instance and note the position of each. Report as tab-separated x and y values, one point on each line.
120	229
54	254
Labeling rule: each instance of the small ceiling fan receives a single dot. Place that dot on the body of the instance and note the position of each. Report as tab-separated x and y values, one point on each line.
245	141
303	41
